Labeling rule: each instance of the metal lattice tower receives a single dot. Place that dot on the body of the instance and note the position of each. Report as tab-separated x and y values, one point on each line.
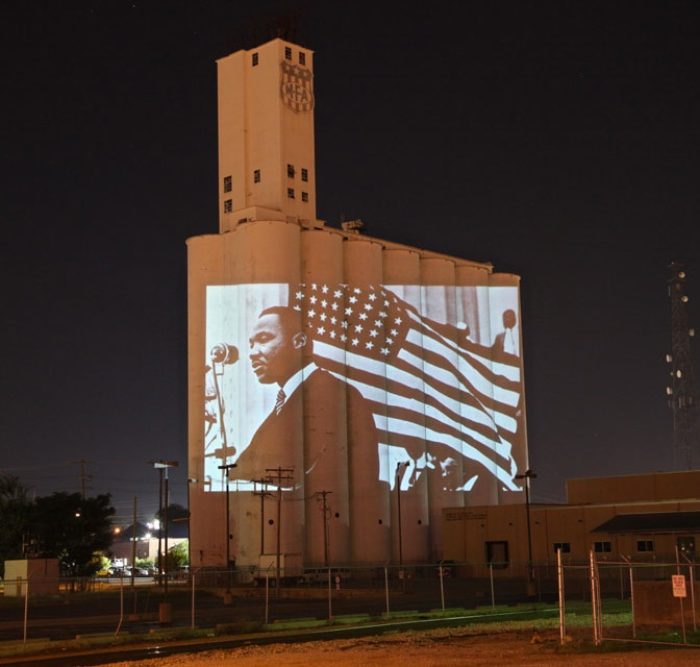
682	398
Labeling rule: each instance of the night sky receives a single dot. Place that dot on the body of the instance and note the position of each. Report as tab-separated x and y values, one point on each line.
560	141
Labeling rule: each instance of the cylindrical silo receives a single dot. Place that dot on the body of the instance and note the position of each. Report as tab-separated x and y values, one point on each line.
406	422
326	496
443	427
369	495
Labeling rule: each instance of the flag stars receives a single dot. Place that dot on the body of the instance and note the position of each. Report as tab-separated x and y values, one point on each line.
358	328
357	290
312	313
334	306
332	334
344	324
377	323
348	311
321	331
373	333
313	299
372	296
353	299
394	332
384	351
299	295
369	344
382	314
363	316
324	303
337	294
314	286
324	289
355	342
343	337
389	341
323	317
334	320
368	306
397	320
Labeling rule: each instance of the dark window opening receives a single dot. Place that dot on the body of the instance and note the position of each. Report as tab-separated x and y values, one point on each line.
228	205
564	546
228	184
304	196
304	174
255	59
290	171
645	545
302	58
497	554
290	193
287	53
602	547
256	176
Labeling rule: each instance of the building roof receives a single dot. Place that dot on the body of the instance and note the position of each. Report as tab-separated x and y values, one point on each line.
652	522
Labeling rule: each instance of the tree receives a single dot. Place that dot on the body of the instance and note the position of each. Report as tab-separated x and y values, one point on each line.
178	556
15	508
72	528
175	513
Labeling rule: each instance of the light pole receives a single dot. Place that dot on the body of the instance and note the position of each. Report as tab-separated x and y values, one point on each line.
527	476
163	500
226	467
398	506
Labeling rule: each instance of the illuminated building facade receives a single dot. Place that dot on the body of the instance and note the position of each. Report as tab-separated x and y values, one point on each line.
351	380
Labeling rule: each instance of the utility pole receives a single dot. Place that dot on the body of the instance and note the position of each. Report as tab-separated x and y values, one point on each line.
226	467
326	512
283	475
263	493
84	477
681	392
398	506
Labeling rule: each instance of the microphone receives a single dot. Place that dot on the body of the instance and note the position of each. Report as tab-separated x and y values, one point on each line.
223	353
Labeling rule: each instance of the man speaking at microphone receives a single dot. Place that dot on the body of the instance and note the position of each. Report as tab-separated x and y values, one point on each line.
318	424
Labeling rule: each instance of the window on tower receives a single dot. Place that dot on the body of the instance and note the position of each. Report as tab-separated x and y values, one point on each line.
287	52
255	59
228	184
228	205
256	176
304	174
302	58
290	171
290	193
304	196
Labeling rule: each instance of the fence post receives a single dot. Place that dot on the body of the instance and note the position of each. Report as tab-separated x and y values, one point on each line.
634	622
442	586
560	587
267	596
691	576
330	589
594	599
121	603
193	594
26	607
680	599
386	588
493	592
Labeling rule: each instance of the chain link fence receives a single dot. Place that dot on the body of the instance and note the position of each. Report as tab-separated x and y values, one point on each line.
615	601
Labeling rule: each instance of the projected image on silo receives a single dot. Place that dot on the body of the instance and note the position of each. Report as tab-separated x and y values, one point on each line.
358	389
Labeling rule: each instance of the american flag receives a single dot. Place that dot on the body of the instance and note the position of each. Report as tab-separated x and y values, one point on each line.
430	388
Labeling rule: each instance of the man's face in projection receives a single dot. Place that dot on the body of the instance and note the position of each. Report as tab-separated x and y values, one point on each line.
274	353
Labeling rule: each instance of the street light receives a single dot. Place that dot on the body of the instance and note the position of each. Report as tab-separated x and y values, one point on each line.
226	467
398	507
163	499
527	476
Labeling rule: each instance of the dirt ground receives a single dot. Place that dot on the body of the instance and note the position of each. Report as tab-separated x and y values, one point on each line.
443	648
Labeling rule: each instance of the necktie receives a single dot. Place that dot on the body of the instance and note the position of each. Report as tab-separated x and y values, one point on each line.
280	401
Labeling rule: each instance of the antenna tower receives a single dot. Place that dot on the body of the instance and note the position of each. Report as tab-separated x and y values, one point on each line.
682	397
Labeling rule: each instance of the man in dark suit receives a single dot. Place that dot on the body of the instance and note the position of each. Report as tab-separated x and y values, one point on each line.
319	424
